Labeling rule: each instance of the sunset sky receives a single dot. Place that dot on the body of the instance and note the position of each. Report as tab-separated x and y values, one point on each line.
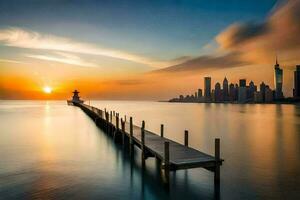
142	49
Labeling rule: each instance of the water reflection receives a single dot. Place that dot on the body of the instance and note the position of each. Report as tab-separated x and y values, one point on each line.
56	151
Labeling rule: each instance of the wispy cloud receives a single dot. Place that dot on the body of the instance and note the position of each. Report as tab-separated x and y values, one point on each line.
21	38
63	58
12	61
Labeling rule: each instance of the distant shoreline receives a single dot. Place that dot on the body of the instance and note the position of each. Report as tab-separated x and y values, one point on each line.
264	103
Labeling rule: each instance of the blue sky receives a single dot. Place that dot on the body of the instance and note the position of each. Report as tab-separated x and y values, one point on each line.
120	48
155	29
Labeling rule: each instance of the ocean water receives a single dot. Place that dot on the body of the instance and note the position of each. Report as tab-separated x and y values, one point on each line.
49	150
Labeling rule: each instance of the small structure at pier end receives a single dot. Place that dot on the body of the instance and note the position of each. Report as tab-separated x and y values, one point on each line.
75	98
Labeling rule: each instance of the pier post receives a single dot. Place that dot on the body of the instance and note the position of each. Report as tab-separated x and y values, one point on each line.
110	116
131	131
161	130
217	157
125	118
123	131
117	123
115	132
167	157
110	123
186	138
143	139
114	113
131	137
107	121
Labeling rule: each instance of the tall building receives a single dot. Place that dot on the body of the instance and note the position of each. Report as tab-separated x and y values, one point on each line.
218	94
242	96
225	90
207	88
278	80
297	82
269	96
199	93
231	92
236	87
251	89
242	82
212	98
258	98
262	89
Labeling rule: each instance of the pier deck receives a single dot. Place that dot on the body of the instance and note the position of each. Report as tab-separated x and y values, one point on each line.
181	156
173	155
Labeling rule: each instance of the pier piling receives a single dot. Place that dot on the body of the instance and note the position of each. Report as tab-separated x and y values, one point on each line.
143	139
217	157
161	130
186	138
123	131
167	156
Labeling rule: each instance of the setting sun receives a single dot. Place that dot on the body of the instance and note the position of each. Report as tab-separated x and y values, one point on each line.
47	89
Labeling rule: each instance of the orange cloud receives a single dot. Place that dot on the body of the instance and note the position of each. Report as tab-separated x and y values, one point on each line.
260	42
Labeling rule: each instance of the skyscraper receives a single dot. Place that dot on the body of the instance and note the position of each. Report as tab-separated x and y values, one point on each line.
297	82
251	89
199	93
232	92
262	89
218	94
225	90
242	96
268	94
207	88
242	82
278	80
236	88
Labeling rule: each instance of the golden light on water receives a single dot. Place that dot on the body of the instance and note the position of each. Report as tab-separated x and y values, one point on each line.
47	89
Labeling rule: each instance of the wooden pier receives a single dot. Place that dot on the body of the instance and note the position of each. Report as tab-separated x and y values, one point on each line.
173	156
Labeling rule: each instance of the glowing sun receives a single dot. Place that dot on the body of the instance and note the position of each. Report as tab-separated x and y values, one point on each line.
47	89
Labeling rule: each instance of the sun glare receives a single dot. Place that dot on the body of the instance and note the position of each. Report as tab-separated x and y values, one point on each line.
47	89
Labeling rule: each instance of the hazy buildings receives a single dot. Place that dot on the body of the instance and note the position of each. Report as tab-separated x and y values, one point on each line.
278	79
242	96
250	91
232	93
258	98
262	89
199	93
218	92
269	97
297	82
207	88
243	93
242	82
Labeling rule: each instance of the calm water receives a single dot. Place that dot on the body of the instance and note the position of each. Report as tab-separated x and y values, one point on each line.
49	150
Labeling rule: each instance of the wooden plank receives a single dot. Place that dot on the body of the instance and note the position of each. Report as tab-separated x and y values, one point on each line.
180	156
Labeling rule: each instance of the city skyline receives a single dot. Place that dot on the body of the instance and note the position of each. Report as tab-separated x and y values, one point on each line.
244	93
